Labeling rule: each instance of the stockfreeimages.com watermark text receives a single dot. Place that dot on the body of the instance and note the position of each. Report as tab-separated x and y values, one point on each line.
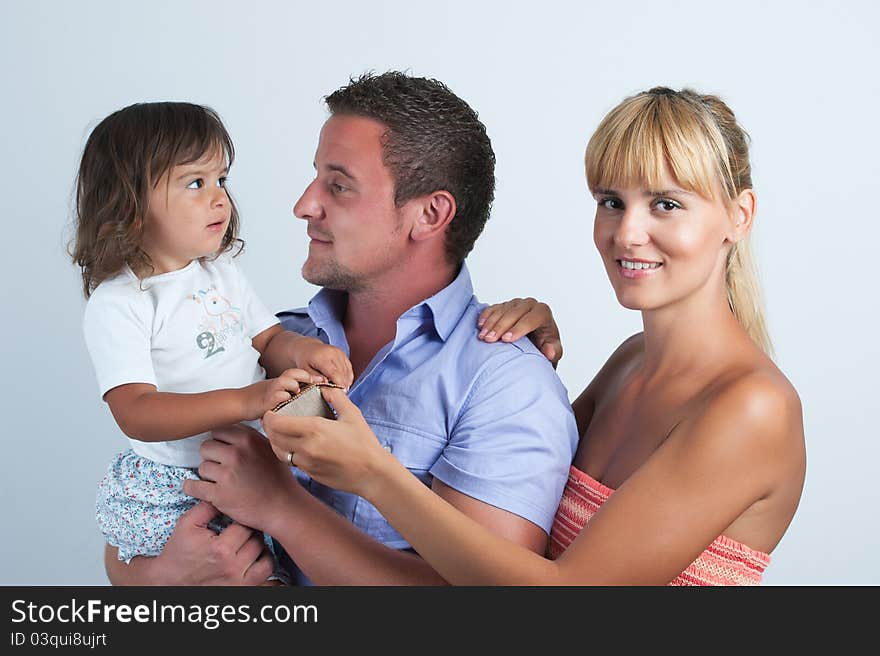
209	616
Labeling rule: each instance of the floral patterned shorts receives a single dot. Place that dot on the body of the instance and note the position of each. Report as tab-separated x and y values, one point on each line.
138	503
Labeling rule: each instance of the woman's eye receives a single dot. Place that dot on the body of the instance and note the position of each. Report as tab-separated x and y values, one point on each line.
610	203
667	205
198	183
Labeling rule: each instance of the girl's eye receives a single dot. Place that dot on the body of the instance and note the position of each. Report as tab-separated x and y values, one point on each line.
667	205
198	183
221	182
610	203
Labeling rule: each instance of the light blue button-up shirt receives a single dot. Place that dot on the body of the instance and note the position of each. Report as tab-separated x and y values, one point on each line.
492	421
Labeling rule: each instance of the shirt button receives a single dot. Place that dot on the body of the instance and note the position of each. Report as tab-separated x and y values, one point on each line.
387	447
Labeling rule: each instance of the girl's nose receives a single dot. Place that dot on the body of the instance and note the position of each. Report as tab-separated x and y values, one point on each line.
219	197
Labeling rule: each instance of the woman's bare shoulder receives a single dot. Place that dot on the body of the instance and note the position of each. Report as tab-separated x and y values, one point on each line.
620	360
752	416
623	355
758	391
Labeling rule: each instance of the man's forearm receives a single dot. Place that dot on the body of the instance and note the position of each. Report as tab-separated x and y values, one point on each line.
140	570
332	551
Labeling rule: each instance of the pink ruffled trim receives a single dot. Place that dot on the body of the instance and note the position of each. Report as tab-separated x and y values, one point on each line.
724	562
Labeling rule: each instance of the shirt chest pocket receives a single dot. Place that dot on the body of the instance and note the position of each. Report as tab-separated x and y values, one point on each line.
416	452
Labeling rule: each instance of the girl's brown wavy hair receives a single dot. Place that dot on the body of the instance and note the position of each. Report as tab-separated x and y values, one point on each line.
125	156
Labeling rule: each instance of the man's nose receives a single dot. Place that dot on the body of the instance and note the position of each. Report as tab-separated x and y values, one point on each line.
308	206
632	230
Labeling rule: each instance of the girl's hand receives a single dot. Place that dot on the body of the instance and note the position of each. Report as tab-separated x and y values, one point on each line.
342	453
321	359
259	398
518	317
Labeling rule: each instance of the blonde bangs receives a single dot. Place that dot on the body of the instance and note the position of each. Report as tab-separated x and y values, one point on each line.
649	134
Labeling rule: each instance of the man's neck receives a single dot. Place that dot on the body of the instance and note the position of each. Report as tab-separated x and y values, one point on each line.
371	314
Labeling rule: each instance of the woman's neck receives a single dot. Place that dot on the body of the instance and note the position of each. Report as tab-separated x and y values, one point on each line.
692	334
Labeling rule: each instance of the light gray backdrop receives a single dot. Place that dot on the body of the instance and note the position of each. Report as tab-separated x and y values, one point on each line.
801	76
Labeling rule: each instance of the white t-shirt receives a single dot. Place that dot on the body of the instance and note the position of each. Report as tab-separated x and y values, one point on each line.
185	331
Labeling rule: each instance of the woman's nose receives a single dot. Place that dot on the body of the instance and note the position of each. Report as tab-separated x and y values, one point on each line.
632	230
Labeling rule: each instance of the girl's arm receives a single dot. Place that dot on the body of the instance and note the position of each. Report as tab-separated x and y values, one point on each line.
145	414
280	349
707	473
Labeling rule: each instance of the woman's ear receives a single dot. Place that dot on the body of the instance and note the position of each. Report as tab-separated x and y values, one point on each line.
435	212
743	215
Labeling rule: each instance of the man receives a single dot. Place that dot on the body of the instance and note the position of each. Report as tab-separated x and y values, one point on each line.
404	184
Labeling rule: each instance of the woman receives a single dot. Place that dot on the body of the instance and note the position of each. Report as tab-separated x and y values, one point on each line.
691	460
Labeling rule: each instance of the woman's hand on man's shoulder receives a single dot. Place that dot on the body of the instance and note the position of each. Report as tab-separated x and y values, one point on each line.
518	318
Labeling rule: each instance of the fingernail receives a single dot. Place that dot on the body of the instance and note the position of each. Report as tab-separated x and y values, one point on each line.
507	336
491	335
482	333
480	323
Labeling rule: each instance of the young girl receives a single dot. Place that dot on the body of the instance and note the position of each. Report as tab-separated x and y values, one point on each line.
178	339
691	460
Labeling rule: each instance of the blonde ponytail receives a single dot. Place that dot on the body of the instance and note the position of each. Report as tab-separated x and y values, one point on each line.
744	294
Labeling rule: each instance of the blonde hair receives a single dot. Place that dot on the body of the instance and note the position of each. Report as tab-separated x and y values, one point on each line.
698	138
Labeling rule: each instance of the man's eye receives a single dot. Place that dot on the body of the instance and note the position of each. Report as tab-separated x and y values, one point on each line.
198	183
336	188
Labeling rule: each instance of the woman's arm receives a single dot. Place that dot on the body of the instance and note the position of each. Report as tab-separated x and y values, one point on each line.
708	472
734	455
242	477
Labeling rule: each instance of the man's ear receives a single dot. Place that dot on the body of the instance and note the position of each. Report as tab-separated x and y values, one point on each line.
742	214
435	212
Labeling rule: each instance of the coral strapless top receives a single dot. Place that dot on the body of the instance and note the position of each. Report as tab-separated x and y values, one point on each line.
724	562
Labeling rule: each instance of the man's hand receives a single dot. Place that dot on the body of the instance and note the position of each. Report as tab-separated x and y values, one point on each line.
242	478
342	453
319	358
195	555
518	317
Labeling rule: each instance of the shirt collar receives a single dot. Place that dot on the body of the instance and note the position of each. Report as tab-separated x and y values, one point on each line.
327	304
447	306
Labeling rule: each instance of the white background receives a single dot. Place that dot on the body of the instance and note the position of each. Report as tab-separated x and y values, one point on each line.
801	76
